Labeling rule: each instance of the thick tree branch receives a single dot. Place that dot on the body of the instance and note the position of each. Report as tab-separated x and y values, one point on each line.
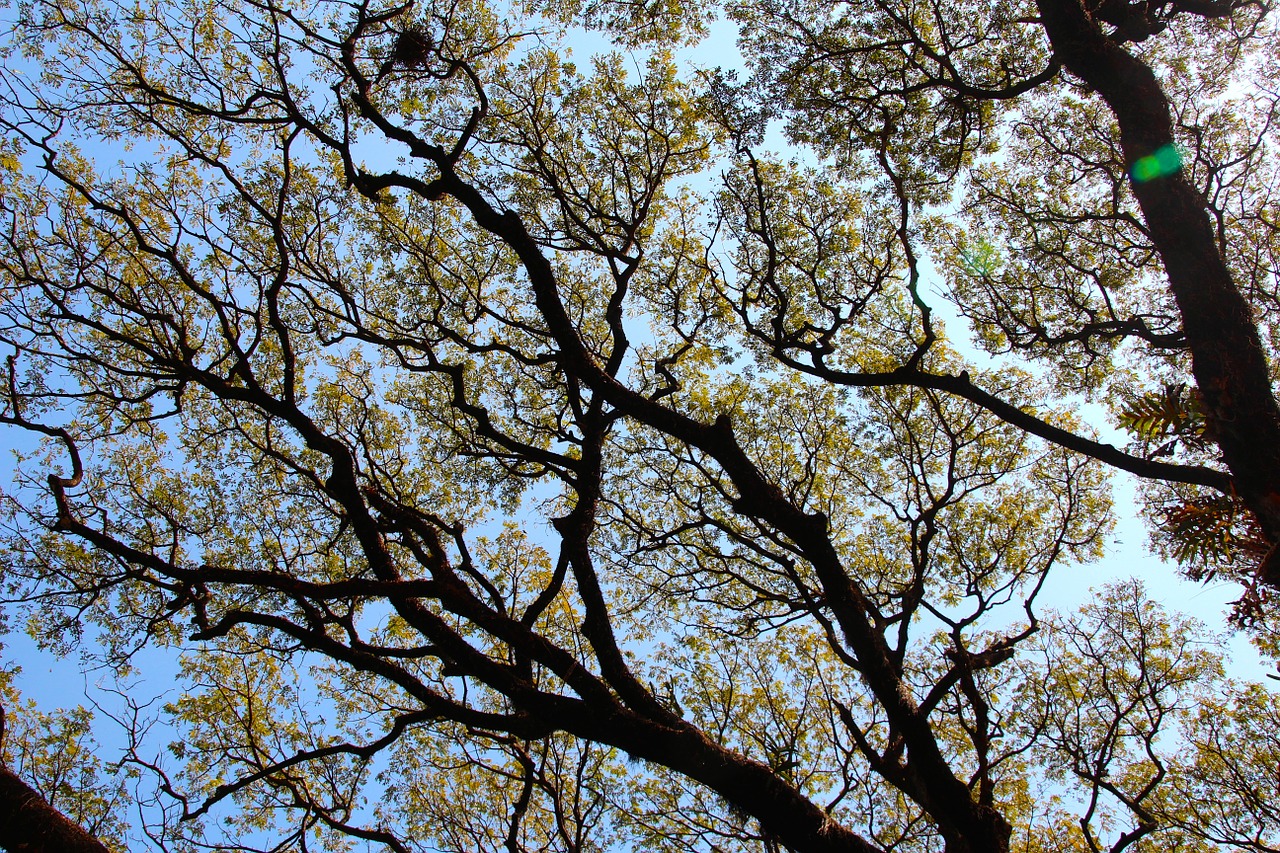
28	824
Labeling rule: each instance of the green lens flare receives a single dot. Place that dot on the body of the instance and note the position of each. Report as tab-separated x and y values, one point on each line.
1166	160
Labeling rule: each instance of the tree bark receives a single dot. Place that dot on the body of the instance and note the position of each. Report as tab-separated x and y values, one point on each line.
1228	361
28	824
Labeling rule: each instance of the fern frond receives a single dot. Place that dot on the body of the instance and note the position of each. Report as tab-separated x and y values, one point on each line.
1210	532
1173	413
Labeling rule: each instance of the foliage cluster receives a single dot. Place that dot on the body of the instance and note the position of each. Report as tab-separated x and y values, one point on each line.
518	455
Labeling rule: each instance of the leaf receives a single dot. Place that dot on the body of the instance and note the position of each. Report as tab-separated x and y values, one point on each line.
1212	531
1174	412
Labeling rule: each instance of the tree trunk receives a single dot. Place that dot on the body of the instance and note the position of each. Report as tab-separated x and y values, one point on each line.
1228	360
28	824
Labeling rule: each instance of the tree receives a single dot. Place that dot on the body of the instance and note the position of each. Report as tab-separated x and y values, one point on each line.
504	482
1130	215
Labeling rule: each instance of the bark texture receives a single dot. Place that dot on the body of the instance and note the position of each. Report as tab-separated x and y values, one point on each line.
28	824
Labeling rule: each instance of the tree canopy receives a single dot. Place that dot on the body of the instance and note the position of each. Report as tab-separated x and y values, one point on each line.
520	453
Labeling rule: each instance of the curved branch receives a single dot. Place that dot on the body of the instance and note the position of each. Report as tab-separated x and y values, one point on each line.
962	386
